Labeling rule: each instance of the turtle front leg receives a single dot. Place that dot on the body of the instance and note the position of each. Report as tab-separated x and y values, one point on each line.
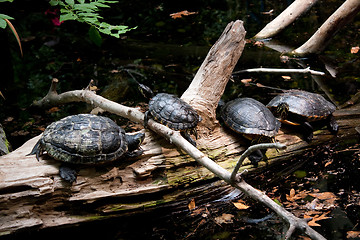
67	173
186	135
256	156
332	125
147	115
308	131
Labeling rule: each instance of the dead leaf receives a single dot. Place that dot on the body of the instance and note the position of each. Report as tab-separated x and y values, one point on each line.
284	59
353	234
355	49
324	195
9	119
240	205
258	43
93	88
53	109
246	81
224	218
2	95
313	222
192	205
181	14
259	85
328	163
304	238
291	196
286	77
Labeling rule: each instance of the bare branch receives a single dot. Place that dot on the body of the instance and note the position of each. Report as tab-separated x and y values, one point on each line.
317	43
249	151
289	15
274	70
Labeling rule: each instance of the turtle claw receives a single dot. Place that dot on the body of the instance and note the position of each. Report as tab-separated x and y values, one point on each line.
333	125
67	173
255	157
308	135
188	138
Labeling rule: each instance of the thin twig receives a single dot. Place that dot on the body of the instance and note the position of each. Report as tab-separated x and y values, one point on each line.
249	151
281	70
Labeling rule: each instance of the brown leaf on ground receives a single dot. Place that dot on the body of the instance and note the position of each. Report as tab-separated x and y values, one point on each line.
328	198
224	218
181	14
313	222
192	205
240	205
293	196
353	234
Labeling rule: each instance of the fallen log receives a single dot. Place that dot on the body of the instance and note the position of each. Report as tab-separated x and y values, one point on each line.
31	191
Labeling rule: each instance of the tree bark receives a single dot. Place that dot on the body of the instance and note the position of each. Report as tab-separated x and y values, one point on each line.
288	16
321	38
210	81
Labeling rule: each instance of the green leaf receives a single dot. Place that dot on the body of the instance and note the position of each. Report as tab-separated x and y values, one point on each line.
2	23
98	4
88	14
85	7
4	16
6	1
277	201
91	20
81	1
95	36
69	16
70	2
54	2
105	1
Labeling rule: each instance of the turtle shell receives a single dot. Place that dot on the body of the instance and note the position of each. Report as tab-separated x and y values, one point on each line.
249	116
311	106
173	112
84	139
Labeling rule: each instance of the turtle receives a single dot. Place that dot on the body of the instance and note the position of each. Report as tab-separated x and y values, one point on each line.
299	107
251	119
172	112
86	139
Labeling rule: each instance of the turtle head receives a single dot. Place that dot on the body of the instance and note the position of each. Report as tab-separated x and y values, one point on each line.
282	110
134	141
146	91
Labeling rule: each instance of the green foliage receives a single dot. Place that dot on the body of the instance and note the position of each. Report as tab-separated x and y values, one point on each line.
87	12
3	22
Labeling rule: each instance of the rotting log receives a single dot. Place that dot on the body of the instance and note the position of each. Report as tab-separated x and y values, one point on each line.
31	191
